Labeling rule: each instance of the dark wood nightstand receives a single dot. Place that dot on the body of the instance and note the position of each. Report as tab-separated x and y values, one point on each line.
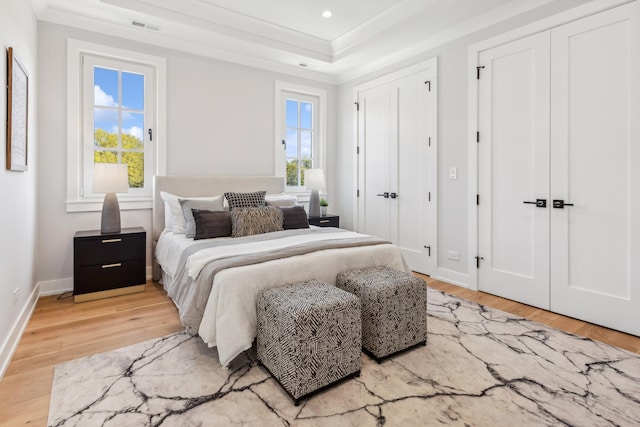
325	221
106	265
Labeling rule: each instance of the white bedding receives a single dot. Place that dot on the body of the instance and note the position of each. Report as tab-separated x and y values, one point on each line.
229	320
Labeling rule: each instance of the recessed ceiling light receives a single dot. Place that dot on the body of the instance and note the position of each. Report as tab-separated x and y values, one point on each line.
327	14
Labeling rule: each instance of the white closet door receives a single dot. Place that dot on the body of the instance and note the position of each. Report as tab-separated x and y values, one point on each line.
513	168
595	140
410	213
374	135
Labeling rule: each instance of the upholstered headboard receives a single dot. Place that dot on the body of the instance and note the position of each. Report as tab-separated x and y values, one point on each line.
203	185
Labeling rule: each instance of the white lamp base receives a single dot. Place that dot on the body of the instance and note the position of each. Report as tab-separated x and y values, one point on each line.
110	214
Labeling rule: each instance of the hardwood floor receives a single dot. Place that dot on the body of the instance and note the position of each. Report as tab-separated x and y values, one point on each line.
61	330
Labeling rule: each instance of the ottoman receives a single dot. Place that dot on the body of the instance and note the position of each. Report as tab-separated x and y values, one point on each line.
394	308
308	336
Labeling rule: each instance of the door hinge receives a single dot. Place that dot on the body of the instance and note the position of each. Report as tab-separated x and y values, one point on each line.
428	83
478	136
477	199
478	71
358	149
429	195
429	141
478	258
357	106
357	193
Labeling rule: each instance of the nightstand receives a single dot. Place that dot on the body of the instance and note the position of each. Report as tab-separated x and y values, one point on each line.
106	265
325	221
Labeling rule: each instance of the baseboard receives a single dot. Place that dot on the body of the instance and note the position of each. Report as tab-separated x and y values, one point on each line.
55	287
453	277
11	344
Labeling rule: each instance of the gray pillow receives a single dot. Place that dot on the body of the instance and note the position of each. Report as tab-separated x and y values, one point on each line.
250	221
294	217
211	224
212	204
255	199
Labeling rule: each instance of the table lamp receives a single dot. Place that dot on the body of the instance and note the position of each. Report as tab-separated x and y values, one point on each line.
314	181
110	178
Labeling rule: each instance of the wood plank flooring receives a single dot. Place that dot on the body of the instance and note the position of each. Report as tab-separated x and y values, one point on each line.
60	330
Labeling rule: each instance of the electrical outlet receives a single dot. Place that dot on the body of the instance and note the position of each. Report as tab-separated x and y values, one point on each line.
16	294
453	255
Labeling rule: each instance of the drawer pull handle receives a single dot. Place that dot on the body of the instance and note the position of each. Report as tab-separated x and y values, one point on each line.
111	240
112	265
324	221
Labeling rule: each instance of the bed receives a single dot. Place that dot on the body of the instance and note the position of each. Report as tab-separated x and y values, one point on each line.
214	282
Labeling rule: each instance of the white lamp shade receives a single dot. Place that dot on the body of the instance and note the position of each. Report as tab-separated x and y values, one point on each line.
314	179
110	178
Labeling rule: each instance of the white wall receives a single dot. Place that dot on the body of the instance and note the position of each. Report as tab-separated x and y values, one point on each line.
455	199
220	121
18	190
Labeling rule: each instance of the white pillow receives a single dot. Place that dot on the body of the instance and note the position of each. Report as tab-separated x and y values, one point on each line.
178	223
208	204
171	205
281	200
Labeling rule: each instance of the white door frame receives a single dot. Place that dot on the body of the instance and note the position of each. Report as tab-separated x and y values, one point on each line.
432	66
472	144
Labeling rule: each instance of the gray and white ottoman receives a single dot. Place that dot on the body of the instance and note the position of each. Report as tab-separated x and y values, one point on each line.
309	335
394	308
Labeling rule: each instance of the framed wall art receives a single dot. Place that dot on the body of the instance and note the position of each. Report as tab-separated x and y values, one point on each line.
17	113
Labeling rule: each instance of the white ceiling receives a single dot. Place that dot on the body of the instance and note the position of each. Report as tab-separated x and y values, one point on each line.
361	36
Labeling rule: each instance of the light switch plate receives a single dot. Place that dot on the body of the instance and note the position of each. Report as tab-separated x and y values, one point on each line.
453	173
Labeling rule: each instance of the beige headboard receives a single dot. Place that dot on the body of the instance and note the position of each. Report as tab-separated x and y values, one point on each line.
203	185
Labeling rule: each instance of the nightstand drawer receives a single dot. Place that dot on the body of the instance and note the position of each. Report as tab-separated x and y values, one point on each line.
325	221
109	249
102	277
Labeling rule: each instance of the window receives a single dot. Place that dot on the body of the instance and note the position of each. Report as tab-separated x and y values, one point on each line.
300	123
300	113
114	120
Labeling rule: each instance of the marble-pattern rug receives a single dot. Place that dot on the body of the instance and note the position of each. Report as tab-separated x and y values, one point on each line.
480	367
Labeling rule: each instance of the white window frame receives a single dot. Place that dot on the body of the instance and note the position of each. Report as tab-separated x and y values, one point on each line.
320	130
78	198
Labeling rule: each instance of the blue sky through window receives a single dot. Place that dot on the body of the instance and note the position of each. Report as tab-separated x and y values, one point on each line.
107	102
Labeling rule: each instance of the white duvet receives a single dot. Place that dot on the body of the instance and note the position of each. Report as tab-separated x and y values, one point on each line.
229	320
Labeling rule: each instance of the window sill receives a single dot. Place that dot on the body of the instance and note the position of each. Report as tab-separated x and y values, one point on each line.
95	205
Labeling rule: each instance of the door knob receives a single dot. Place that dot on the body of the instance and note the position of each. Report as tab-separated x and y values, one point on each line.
560	204
393	195
540	203
385	195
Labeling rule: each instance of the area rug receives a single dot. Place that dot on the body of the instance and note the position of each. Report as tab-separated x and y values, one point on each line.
480	367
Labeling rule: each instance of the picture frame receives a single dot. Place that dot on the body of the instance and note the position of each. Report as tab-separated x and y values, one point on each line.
17	113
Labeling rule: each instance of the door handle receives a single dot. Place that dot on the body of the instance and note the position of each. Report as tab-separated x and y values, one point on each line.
393	195
385	195
540	203
560	204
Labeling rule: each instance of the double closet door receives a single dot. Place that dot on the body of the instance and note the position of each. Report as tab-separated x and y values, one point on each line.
559	169
396	165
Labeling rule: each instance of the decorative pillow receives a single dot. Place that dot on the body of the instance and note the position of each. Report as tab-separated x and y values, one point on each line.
178	223
281	200
210	224
294	217
250	221
210	204
246	200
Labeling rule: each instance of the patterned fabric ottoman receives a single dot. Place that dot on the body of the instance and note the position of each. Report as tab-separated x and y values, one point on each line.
394	308
309	335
